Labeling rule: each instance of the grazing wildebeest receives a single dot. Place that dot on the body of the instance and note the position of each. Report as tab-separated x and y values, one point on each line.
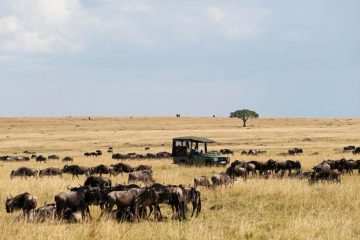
295	151
248	166
122	167
76	170
51	171
356	150
349	148
144	176
68	159
326	175
226	151
147	198
95	181
173	195
24	201
118	156
262	167
73	200
53	157
46	212
41	158
288	165
142	168
322	167
102	169
178	115
193	196
123	200
72	217
77	199
201	181
220	179
235	171
24	172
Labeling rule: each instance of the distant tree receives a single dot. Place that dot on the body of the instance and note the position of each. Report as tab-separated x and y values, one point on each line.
244	115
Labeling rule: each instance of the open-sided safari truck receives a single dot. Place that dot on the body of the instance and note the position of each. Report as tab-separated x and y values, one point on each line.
194	150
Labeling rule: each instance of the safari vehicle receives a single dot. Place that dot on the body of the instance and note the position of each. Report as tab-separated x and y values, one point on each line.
186	150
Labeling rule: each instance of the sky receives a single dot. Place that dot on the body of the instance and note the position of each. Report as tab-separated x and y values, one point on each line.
198	58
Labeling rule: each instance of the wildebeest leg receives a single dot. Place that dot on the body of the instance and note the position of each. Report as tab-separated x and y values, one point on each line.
194	207
183	210
88	212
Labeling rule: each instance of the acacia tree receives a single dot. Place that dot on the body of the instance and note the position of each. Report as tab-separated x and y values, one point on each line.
244	115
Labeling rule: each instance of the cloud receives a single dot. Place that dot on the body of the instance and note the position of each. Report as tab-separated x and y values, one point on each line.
41	26
236	22
51	27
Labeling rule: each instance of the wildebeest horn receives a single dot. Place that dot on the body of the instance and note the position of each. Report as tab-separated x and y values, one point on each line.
68	187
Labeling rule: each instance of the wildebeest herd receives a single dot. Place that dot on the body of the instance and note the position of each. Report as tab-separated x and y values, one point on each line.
136	203
328	170
159	155
133	202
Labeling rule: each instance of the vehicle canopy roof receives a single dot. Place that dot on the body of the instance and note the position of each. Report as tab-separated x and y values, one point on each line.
194	139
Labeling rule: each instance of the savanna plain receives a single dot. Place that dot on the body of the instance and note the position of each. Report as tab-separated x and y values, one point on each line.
256	209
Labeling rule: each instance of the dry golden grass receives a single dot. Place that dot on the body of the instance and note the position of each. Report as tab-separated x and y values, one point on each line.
257	209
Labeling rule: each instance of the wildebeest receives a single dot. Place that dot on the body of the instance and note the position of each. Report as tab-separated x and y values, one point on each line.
201	181
77	199
123	200
122	167
24	172
349	148
24	201
327	175
76	170
95	181
220	179
269	165
41	158
288	165
226	151
144	176
46	212
322	167
72	217
356	150
235	171
142	168
68	159
102	169
147	198
193	196
95	154
295	151
51	171
53	157
173	195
